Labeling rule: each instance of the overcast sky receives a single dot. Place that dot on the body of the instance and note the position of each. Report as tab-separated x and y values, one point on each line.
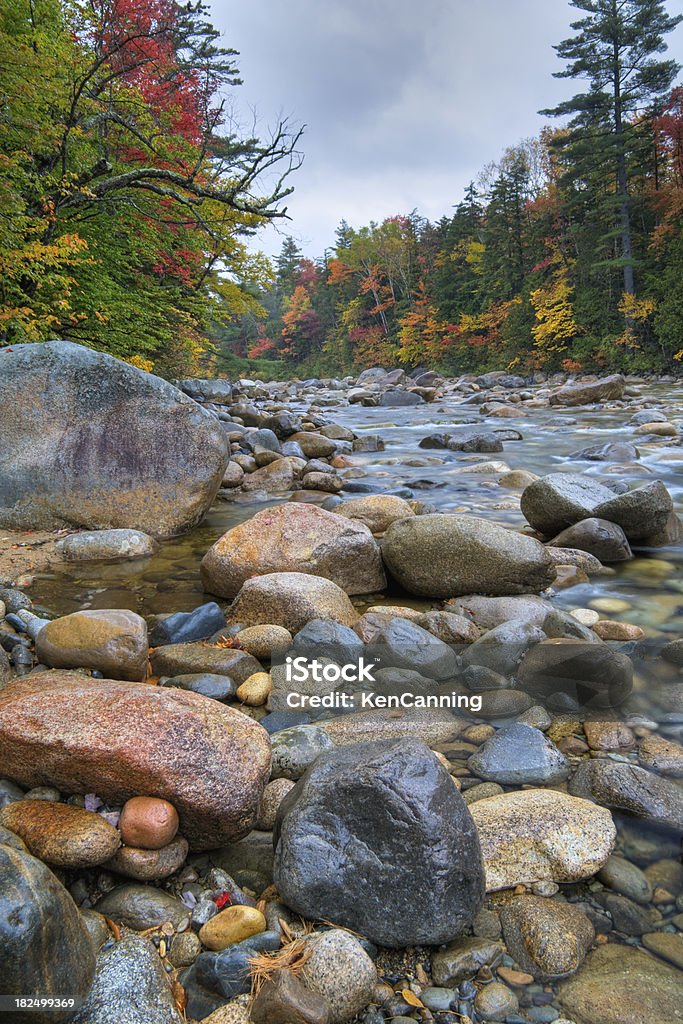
404	101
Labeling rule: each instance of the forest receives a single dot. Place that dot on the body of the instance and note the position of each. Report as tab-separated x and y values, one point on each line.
129	202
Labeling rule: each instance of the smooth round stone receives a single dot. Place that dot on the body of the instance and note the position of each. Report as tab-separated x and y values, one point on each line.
149	865
273	795
265	641
60	834
148	822
436	999
184	949
9	792
255	691
661	755
586	616
106	545
113	641
482	792
496	1001
48	793
606	629
234	924
610	604
340	971
97	926
626	878
546	937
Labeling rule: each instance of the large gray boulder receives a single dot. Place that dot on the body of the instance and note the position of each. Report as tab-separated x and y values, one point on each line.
588	392
45	948
376	838
449	555
87	440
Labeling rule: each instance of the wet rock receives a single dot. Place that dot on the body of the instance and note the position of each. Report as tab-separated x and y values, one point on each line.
391	399
119	739
555	502
314	446
519	755
184	627
627	917
142	906
621	985
276	478
65	836
667	946
112	641
273	795
537	835
450	628
228	972
340	972
496	1002
331	859
625	787
106	546
283	999
463	959
472	555
295	749
590	392
403	644
585	674
548	938
599	537
45	948
431	726
177	660
149	865
130	984
234	924
295	537
291	599
102	444
620	632
208	684
321	638
609	735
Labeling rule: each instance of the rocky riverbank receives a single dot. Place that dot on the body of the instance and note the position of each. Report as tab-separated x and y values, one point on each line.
467	803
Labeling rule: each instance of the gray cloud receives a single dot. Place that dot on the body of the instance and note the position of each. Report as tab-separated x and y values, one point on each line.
404	101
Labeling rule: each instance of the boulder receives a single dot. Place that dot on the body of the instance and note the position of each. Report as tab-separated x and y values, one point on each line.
408	873
97	443
106	546
291	599
554	502
589	392
641	513
112	641
295	537
540	835
45	948
599	537
448	555
121	739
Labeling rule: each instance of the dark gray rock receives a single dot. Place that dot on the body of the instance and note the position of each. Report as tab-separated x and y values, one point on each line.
598	537
45	948
618	451
97	443
130	985
502	648
403	644
207	683
376	838
141	906
322	638
227	972
186	627
393	399
625	787
522	755
217	392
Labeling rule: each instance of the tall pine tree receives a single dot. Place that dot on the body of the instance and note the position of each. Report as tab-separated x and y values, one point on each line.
618	50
